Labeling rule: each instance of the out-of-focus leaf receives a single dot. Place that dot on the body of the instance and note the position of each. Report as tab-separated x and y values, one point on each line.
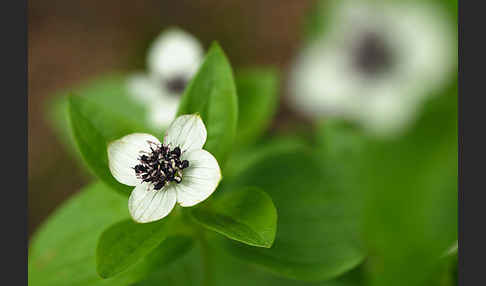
244	158
232	271
410	192
257	101
445	272
126	242
450	6
317	235
63	250
93	128
246	215
220	269
212	94
341	145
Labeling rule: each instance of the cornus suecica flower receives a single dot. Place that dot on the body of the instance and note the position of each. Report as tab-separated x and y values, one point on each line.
376	63
172	60
176	170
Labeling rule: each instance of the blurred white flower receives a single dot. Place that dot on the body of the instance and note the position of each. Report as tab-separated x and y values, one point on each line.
375	64
172	61
178	170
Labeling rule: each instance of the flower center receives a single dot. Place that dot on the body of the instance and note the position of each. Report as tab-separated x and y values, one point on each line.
160	166
176	84
372	55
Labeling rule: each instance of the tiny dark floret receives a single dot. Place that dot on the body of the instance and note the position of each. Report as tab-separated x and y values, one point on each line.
373	56
176	84
161	166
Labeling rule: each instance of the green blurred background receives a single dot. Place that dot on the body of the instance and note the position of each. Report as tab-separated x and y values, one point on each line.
72	42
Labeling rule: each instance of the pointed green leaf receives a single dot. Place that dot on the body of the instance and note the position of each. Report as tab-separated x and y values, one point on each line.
212	94
247	215
93	128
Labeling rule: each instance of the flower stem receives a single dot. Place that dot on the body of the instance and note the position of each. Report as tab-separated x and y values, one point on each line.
206	260
198	233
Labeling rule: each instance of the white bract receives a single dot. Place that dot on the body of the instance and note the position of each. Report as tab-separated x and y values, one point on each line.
178	170
375	64
172	61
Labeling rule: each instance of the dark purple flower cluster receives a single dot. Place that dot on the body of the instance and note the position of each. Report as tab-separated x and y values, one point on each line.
161	166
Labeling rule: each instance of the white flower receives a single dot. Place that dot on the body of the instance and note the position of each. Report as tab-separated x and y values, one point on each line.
177	170
172	61
376	64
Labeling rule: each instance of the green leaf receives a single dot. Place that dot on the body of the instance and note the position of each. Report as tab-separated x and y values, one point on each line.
340	147
170	250
244	158
207	264
257	102
63	249
93	128
232	271
125	243
247	215
410	192
450	7
317	234
212	94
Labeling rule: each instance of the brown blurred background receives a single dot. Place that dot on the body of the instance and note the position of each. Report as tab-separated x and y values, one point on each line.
71	42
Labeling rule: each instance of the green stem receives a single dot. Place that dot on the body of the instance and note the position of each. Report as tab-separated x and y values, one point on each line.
206	260
198	232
